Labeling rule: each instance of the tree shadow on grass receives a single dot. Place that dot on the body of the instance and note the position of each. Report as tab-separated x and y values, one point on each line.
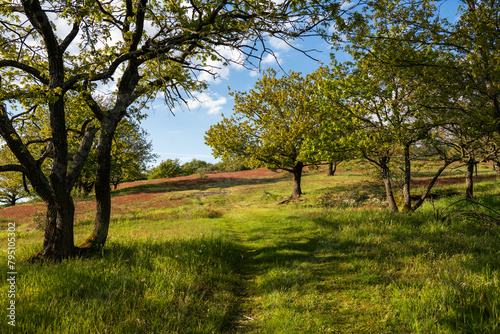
455	258
176	286
197	184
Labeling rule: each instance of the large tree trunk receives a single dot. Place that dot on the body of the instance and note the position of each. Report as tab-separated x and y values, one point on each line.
407	180
58	240
99	234
469	180
297	176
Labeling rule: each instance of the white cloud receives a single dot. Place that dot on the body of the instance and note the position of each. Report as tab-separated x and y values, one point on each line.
272	58
254	73
213	103
233	57
278	44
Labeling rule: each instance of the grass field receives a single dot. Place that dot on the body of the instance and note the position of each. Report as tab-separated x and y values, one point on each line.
220	255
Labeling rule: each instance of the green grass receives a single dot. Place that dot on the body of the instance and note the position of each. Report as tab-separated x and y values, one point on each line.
232	260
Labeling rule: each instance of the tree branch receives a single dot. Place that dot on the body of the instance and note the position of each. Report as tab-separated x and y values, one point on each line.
71	36
31	168
12	168
26	68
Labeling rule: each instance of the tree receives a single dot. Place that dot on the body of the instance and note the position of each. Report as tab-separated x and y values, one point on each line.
12	188
270	124
166	169
454	59
144	47
378	111
471	147
193	166
460	50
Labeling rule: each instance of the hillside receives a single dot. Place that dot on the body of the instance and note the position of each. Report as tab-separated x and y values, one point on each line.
229	253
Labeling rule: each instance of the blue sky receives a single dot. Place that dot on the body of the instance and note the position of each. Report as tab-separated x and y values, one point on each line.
182	136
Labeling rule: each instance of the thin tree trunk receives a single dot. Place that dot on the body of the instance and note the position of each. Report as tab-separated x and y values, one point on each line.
297	176
407	180
425	194
469	180
332	168
388	187
99	234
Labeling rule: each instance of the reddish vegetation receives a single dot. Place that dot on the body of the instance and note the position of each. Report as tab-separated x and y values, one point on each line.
150	198
193	180
85	210
20	214
450	180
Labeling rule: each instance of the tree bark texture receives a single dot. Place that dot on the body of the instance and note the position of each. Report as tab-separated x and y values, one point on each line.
297	177
407	180
469	180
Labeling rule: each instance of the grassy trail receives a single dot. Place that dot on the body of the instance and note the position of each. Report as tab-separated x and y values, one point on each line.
289	278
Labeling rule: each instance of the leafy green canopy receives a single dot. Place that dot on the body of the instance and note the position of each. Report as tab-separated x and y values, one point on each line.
270	122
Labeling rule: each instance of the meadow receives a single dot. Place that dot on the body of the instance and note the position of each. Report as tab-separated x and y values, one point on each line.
228	253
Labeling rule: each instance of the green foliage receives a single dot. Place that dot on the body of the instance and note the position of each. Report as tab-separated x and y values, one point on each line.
11	188
270	123
167	168
193	166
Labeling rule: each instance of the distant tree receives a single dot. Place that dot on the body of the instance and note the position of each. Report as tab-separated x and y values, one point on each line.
471	147
12	188
192	167
269	125
166	169
13	185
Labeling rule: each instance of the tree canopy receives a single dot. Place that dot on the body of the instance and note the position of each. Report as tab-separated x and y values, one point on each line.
270	124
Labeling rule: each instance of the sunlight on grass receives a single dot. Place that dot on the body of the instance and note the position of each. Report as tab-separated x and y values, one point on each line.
232	260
